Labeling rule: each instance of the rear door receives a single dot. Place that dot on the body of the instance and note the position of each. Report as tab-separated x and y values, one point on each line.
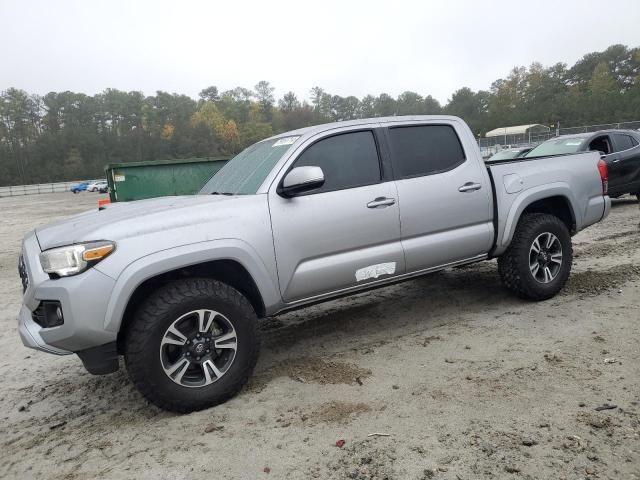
445	206
626	162
344	234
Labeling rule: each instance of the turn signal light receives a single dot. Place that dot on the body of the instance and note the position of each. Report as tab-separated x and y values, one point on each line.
97	253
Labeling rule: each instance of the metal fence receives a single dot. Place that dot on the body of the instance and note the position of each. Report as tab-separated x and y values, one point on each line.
16	190
491	145
594	128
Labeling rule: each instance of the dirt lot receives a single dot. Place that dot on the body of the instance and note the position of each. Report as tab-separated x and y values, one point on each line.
467	381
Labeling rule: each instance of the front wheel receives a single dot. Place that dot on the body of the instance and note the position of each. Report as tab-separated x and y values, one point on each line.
192	344
538	261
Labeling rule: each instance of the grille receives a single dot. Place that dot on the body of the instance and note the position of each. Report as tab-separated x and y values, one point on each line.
24	277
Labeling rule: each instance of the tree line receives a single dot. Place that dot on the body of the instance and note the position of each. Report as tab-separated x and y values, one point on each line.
67	135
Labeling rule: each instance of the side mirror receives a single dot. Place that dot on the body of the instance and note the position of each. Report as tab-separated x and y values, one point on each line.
301	179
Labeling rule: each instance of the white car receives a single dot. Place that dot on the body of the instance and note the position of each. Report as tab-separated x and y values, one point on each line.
97	186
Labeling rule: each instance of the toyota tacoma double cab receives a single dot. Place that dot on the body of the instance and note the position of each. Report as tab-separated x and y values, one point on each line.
177	285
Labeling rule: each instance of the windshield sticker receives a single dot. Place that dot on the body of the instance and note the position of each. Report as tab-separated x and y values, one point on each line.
573	142
285	141
374	271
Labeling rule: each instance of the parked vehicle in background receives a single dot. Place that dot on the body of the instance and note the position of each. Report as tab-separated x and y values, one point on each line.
509	153
94	186
176	284
101	187
620	150
79	187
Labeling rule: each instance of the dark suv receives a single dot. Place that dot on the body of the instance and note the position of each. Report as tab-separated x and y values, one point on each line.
620	150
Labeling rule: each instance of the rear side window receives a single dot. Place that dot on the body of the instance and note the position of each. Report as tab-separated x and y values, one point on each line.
624	142
348	160
425	149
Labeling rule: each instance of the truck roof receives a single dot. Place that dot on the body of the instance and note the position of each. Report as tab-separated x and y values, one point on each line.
348	123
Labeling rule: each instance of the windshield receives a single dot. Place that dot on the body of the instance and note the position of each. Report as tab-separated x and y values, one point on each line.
245	172
557	146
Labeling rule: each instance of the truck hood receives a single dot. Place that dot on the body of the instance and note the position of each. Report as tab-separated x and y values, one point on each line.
118	221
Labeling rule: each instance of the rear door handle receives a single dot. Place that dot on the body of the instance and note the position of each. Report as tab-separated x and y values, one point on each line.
381	202
470	187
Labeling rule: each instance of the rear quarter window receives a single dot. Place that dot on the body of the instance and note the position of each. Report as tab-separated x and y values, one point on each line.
624	142
420	150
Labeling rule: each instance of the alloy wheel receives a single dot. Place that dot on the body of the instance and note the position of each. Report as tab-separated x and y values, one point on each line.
545	257
198	348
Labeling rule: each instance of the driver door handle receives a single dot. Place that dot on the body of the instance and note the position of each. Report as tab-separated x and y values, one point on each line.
381	202
470	187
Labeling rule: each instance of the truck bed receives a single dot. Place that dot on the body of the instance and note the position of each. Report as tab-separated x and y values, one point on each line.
573	179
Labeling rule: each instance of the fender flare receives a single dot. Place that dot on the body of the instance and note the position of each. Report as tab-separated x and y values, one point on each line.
175	258
527	197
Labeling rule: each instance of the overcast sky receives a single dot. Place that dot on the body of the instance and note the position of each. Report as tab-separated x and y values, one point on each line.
346	47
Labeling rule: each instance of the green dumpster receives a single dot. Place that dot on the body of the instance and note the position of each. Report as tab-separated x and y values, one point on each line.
159	178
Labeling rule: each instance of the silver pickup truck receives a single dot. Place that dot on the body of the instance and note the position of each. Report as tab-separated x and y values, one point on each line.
176	285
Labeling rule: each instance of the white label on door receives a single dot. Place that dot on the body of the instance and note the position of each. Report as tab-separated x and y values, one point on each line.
118	178
374	271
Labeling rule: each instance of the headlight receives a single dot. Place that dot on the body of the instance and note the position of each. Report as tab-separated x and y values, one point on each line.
74	259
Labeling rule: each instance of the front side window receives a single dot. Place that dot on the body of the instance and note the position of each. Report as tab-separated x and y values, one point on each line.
425	149
601	144
347	160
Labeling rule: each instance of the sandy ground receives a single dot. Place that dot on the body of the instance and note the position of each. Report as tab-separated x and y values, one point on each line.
467	381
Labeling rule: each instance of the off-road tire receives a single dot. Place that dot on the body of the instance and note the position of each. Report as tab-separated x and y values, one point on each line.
144	334
513	265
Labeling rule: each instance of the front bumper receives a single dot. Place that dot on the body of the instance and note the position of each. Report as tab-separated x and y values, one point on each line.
83	299
30	334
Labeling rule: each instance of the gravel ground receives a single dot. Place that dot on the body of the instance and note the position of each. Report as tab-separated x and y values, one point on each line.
464	380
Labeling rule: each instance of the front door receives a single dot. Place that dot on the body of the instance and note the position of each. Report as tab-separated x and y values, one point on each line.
344	234
445	198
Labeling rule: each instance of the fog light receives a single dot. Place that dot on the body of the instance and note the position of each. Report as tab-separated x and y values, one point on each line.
48	314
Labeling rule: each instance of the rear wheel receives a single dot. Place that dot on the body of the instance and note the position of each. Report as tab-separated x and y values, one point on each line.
538	262
193	344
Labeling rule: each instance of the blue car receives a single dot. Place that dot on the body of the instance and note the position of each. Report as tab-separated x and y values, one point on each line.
79	187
